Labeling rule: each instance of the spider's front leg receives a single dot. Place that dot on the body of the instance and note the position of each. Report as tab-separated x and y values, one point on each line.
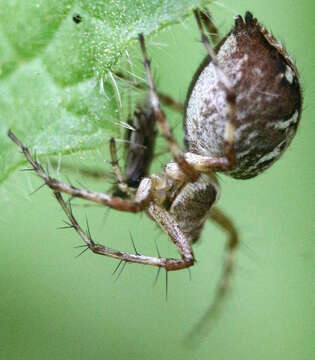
138	204
167	263
162	121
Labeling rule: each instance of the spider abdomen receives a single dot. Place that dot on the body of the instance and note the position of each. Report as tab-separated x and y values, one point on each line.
268	100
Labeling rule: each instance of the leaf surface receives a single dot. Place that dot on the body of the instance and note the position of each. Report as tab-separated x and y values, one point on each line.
55	92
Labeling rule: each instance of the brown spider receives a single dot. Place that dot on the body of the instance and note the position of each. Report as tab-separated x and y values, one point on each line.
241	113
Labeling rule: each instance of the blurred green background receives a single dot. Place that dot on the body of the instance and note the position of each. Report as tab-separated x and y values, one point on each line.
54	306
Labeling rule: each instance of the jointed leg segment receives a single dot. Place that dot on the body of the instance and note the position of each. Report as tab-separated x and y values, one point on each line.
161	119
226	224
167	263
59	186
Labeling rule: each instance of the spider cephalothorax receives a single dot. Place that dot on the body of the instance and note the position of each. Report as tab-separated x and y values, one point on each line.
242	111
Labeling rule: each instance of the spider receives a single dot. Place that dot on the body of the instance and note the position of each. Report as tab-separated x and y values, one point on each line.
241	112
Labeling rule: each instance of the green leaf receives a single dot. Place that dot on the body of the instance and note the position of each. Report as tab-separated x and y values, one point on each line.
55	91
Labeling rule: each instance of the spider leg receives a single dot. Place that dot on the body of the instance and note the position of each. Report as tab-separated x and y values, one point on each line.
164	98
208	163
121	181
207	22
137	205
161	118
226	224
171	228
229	159
167	263
199	163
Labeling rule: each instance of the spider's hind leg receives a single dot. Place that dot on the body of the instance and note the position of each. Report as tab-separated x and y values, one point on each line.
224	285
227	225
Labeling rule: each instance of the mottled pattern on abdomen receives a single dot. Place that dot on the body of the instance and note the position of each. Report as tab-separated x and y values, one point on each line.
268	102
